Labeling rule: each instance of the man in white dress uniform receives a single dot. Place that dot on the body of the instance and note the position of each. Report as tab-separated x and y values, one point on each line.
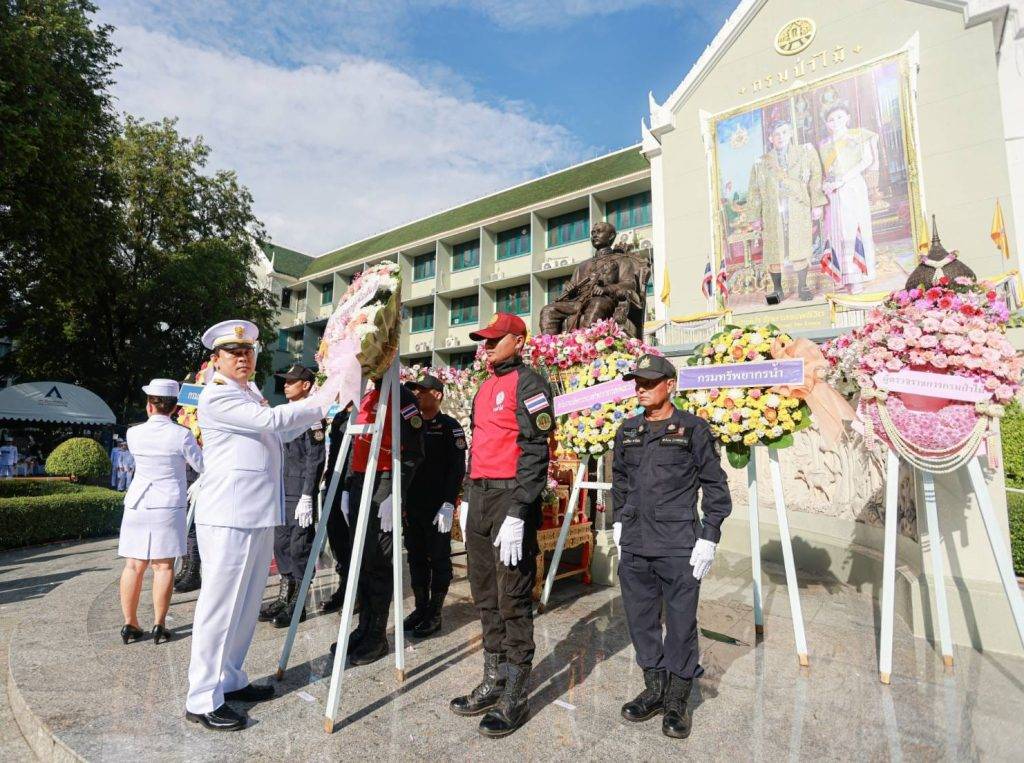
240	501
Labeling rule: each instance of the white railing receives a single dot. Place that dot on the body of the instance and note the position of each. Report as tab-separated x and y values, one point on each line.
691	329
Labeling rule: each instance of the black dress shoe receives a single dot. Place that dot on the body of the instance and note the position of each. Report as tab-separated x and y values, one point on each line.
221	719
650	701
677	721
251	693
372	648
131	633
429	625
160	634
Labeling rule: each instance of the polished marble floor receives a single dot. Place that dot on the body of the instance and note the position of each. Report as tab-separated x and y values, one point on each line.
75	689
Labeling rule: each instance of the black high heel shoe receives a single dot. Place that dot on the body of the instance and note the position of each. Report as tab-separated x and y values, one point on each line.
160	634
131	633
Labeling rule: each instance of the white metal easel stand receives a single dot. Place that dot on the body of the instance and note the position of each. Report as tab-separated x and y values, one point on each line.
787	552
389	395
1000	551
578	484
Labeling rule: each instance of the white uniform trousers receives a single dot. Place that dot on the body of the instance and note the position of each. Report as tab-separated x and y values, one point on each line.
235	565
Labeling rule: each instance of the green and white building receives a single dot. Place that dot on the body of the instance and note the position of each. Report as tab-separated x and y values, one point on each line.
511	251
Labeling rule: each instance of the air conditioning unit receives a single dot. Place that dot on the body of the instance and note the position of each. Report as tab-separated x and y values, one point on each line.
451	342
422	346
546	266
433	292
476	281
496	275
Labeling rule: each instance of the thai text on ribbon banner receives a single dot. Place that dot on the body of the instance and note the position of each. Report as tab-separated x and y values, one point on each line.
946	386
605	392
761	373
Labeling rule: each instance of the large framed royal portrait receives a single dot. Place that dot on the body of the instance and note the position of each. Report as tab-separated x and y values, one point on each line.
816	189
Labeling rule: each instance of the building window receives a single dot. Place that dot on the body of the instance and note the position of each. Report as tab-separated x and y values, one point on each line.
466	255
630	212
422	317
286	299
282	342
515	299
327	295
513	243
462	360
423	267
556	287
465	310
567	229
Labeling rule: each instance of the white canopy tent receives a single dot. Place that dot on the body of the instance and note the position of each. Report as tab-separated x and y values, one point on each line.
54	402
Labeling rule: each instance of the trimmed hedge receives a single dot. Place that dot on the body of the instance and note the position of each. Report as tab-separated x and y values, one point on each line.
22	487
79	457
1015	508
82	512
1012	430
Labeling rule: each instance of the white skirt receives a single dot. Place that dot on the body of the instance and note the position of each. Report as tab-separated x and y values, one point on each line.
152	533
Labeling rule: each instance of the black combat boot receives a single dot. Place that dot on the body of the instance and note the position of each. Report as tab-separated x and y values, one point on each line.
374	645
284	616
485	696
356	636
649	702
677	721
419	614
802	291
513	706
285	590
775	296
189	579
431	624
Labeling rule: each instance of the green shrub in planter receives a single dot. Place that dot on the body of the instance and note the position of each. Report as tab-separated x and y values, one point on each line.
1015	508
29	486
1012	430
79	457
85	512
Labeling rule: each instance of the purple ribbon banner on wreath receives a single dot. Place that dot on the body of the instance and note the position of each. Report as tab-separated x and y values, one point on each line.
598	394
760	373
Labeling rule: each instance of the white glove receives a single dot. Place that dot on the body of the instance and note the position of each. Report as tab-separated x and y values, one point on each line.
384	514
463	518
701	557
443	518
617	536
304	511
344	506
193	490
510	538
326	395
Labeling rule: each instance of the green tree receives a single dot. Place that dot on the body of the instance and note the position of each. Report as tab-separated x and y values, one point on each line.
57	193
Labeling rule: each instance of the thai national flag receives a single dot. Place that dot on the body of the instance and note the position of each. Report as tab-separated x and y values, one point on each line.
859	258
830	263
706	284
723	282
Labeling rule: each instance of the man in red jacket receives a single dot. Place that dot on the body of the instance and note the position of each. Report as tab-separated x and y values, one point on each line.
508	464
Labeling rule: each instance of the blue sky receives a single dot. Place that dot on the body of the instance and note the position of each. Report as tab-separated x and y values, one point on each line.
347	117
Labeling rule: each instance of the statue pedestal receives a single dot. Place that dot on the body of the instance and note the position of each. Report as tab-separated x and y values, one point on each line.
604	562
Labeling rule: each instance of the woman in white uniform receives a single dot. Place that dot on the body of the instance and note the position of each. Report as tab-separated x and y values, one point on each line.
153	527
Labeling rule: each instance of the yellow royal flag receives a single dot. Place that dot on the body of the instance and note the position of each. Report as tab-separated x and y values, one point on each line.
666	288
998	232
924	240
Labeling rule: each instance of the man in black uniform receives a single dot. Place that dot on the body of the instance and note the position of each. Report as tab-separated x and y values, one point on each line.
430	505
368	642
508	467
303	464
661	459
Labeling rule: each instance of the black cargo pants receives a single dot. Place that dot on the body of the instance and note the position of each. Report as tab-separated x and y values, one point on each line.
376	583
502	594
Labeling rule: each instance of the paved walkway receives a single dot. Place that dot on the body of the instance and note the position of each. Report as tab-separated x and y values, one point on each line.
76	691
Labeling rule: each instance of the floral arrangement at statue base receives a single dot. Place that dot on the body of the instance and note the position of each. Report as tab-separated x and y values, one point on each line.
361	336
743	417
953	328
579	359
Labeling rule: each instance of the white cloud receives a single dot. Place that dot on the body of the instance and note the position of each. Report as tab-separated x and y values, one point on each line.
333	154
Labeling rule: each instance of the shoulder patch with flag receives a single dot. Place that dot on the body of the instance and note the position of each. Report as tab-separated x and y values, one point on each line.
536	403
409	411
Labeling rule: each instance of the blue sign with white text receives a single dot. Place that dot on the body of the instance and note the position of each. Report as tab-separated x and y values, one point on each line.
189	394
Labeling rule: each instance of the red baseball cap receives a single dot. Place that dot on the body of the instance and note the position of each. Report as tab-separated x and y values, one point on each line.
500	325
